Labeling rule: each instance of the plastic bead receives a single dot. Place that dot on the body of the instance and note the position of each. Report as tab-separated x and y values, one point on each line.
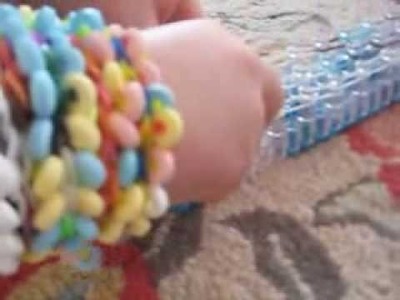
46	241
113	77
161	93
40	39
57	40
108	149
7	10
46	20
67	227
148	72
128	72
158	203
93	69
86	228
161	166
48	178
43	94
39	139
134	104
86	95
9	219
167	128
28	55
128	167
83	31
111	232
87	16
27	15
9	177
105	100
140	228
118	47
123	131
13	27
90	170
69	59
84	134
133	44
97	44
130	205
145	129
49	212
90	203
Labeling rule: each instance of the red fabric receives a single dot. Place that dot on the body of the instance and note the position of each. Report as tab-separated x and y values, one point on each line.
380	137
364	143
390	175
138	283
7	284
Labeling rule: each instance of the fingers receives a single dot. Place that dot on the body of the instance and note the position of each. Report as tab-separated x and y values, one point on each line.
187	9
272	93
170	11
142	14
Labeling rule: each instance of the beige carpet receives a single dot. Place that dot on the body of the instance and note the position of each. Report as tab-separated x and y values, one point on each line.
323	226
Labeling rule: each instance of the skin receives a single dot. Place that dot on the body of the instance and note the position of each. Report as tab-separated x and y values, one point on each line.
143	13
225	93
226	97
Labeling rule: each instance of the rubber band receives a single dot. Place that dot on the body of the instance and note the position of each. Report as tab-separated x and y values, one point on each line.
337	88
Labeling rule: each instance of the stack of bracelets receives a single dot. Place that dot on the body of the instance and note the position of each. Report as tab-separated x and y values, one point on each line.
88	132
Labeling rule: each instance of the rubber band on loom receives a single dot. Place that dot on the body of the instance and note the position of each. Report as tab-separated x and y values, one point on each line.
368	81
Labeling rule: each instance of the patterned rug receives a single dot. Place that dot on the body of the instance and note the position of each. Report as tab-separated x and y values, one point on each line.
323	226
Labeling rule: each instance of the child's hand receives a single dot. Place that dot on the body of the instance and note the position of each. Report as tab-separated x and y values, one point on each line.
139	13
226	97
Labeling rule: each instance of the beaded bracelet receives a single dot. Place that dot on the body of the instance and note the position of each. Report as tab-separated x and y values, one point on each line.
99	127
72	231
